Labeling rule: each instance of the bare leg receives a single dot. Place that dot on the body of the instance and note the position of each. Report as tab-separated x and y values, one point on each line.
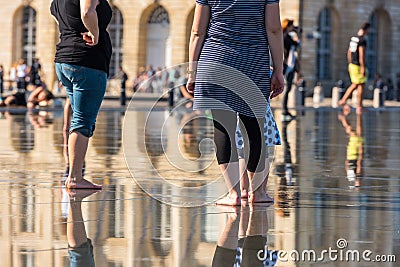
77	147
244	179
360	88
231	175
259	182
347	94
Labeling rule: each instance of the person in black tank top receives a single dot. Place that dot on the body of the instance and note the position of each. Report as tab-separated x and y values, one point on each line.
357	68
82	62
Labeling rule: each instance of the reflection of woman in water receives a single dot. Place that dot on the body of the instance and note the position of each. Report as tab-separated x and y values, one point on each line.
244	236
355	149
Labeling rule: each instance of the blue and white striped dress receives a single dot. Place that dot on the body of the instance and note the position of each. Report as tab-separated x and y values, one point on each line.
234	65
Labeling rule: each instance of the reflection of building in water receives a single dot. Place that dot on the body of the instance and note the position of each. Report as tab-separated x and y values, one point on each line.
107	137
22	134
171	147
130	229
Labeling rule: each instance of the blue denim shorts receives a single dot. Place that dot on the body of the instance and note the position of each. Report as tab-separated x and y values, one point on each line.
82	256
85	88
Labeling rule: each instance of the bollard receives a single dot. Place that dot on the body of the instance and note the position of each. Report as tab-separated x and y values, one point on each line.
318	95
335	96
379	98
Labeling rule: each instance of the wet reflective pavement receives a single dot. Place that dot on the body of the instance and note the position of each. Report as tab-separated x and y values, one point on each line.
335	181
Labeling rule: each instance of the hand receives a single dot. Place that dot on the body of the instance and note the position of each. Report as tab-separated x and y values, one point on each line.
277	84
90	38
190	85
362	70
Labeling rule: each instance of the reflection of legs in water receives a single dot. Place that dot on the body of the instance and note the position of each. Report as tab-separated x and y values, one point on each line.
80	248
255	236
287	155
225	252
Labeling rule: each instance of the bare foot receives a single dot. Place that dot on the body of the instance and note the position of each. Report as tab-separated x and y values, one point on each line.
231	211
229	200
260	197
341	102
244	194
71	183
78	195
346	109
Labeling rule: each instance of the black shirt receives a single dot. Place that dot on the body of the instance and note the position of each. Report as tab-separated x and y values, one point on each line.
72	49
355	43
288	42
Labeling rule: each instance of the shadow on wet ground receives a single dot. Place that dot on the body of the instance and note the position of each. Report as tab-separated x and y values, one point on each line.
335	181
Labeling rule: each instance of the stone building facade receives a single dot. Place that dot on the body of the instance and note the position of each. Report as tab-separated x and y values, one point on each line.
157	32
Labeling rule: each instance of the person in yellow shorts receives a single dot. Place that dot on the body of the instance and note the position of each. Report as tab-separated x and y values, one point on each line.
357	68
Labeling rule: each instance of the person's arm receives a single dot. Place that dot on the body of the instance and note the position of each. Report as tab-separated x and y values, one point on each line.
89	19
184	92
197	37
348	56
66	124
275	40
33	97
361	51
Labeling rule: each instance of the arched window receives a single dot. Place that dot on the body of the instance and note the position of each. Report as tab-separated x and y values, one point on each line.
158	41
324	45
372	46
116	30
159	16
28	34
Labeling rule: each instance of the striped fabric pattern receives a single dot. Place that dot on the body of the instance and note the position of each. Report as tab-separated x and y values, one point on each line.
233	68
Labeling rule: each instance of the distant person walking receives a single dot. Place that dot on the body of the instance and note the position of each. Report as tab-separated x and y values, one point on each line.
21	72
82	64
357	68
291	42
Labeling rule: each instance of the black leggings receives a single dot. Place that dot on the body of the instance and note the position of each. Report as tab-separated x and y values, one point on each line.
253	135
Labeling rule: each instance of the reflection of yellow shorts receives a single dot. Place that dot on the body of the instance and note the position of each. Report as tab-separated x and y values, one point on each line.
355	74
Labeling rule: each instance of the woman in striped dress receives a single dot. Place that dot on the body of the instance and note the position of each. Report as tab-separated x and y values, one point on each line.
229	73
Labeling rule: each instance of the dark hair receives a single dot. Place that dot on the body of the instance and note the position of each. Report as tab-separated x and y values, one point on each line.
365	26
286	23
49	94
